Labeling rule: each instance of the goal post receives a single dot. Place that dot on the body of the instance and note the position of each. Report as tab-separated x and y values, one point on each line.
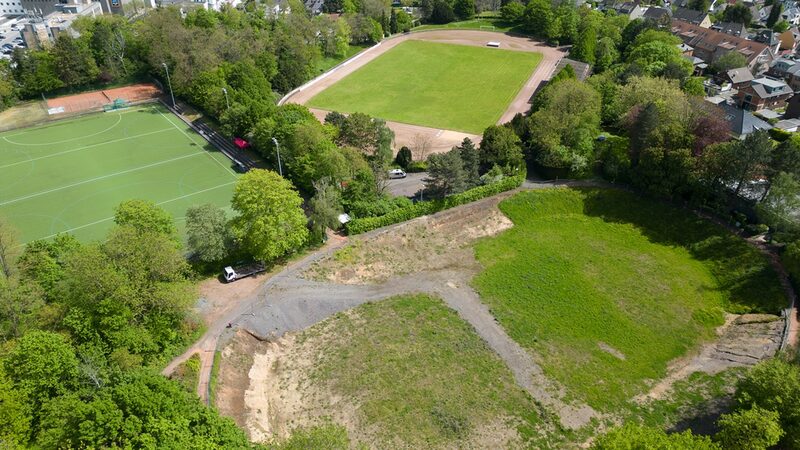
116	104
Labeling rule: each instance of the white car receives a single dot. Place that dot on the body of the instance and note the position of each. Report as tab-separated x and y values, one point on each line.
396	173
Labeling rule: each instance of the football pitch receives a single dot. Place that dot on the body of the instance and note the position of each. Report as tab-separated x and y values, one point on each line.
69	175
445	86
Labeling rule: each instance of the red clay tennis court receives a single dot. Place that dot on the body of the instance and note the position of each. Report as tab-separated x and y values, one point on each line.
89	101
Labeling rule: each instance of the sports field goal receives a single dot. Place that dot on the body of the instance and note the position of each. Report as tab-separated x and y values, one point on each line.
116	104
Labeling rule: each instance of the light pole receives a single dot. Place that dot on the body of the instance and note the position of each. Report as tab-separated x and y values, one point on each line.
278	151
225	91
169	83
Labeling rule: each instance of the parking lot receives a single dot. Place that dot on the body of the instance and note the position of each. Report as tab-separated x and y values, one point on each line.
11	38
408	186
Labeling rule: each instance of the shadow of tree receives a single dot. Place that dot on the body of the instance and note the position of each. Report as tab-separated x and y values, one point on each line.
745	276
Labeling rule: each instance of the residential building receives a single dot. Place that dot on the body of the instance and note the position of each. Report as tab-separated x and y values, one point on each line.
314	7
661	16
789	125
631	9
738	78
791	13
769	38
700	18
742	122
709	45
732	28
764	92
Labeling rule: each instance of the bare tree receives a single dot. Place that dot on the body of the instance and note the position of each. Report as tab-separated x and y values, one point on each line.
421	146
9	248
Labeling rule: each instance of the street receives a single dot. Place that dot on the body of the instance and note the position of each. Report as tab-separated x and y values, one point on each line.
408	186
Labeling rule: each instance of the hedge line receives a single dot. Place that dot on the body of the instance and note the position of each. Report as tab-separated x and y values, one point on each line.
357	226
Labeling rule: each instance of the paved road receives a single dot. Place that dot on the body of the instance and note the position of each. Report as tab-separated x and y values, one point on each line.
408	186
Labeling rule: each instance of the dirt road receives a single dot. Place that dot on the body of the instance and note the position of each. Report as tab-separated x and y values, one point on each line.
440	140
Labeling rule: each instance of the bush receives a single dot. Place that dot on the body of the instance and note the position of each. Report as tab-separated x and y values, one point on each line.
417	166
779	135
362	225
372	208
404	158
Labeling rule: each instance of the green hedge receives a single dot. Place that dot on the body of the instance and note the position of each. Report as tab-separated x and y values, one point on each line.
357	226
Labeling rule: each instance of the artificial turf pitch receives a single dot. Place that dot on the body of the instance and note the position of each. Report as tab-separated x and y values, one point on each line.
69	175
446	86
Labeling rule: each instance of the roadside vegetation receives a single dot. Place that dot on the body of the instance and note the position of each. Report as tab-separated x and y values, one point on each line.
607	288
412	374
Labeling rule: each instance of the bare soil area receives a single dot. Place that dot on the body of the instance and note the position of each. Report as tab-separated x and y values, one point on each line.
233	379
438	242
218	298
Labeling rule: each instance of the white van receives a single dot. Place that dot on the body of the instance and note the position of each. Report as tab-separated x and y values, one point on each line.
396	173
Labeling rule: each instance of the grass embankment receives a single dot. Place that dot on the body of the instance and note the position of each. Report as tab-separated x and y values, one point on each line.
485	22
419	377
326	63
187	374
606	288
446	86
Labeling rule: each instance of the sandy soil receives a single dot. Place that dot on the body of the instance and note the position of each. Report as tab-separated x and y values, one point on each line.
441	140
424	244
218	298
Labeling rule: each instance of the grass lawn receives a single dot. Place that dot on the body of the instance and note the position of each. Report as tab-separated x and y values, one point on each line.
420	378
447	86
606	288
483	23
69	175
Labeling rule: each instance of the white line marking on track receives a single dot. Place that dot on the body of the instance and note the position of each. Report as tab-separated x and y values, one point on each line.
119	119
160	203
84	148
195	142
49	191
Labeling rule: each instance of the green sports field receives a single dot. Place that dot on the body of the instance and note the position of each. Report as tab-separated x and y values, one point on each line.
69	175
447	86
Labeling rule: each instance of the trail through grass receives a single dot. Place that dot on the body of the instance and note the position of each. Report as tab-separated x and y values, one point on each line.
606	288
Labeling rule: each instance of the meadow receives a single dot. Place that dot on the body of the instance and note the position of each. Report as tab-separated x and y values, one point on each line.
606	288
417	376
445	86
68	175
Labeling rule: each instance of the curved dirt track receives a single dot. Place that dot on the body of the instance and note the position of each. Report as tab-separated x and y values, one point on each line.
440	140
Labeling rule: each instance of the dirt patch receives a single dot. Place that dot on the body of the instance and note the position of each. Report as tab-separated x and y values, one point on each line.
438	242
218	298
233	380
23	115
611	350
743	341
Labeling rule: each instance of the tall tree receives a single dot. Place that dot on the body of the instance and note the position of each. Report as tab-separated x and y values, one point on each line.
471	159
445	174
9	249
749	158
325	206
774	14
270	221
207	232
500	147
144	215
738	13
751	429
75	63
585	46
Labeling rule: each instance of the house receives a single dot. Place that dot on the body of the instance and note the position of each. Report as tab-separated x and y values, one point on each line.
314	7
780	67
693	17
742	122
698	65
789	125
769	38
738	78
709	45
630	9
791	13
759	14
732	28
762	93
661	16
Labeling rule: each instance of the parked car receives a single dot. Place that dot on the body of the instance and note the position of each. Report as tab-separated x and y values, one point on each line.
396	173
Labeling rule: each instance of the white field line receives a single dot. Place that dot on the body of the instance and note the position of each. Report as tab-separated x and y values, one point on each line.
159	204
84	148
195	142
5	138
91	180
70	120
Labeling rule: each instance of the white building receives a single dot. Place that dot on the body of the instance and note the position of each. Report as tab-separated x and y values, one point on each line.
11	8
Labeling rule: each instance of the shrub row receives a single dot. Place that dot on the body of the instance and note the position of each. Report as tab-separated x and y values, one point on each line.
357	226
